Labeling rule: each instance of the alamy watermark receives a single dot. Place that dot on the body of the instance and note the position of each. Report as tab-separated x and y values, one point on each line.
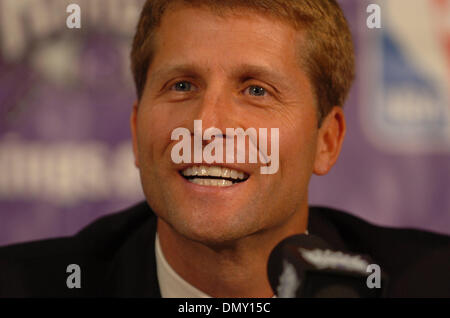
73	21
213	152
374	18
74	279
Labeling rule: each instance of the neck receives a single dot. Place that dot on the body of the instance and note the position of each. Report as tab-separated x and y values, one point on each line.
238	269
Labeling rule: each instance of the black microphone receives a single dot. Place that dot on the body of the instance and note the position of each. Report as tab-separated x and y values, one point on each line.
304	266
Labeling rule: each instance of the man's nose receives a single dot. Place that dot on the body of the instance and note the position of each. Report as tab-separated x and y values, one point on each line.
214	108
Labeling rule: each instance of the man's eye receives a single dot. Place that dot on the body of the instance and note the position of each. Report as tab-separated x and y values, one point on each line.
257	91
182	87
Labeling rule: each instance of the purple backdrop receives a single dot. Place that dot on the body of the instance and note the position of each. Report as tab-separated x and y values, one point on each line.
66	96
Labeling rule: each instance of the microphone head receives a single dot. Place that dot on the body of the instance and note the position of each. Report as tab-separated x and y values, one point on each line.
306	266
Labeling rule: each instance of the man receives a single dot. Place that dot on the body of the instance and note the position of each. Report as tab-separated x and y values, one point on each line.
208	228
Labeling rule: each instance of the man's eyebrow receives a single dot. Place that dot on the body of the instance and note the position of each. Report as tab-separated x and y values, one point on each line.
265	73
170	69
250	70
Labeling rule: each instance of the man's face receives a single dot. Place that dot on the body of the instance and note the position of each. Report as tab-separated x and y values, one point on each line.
230	72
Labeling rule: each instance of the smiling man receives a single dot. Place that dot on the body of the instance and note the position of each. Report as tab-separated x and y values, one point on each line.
232	64
207	228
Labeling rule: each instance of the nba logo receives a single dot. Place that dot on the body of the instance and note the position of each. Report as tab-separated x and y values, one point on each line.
404	69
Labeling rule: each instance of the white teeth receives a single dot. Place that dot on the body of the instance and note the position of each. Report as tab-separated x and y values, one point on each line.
214	171
226	173
190	171
212	182
193	172
224	183
197	181
203	171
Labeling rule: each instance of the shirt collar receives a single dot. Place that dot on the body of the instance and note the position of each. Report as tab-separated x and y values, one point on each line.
171	284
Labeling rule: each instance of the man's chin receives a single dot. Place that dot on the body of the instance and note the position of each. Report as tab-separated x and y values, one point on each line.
223	228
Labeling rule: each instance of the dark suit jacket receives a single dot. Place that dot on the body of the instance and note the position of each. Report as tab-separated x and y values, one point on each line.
117	257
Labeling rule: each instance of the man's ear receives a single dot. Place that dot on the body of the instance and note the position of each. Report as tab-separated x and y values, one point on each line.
330	138
133	125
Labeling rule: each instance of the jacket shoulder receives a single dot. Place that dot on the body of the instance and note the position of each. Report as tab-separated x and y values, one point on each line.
416	261
39	268
358	234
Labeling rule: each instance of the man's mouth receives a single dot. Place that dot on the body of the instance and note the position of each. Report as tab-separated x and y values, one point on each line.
215	176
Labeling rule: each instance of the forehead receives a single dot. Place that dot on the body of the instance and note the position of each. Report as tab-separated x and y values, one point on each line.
227	12
194	34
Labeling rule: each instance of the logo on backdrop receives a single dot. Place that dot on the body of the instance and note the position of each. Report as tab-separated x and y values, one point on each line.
406	66
58	89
